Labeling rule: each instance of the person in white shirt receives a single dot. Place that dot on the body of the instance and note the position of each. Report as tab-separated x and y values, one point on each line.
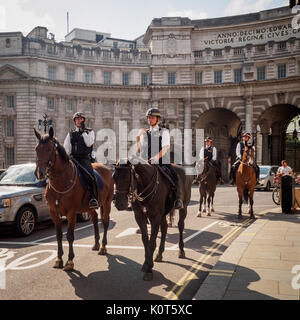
154	146
239	154
284	170
79	145
210	153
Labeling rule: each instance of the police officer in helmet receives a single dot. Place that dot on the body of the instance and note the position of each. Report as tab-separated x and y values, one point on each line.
154	145
79	144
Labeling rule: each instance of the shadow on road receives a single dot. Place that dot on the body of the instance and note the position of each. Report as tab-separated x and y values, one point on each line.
122	281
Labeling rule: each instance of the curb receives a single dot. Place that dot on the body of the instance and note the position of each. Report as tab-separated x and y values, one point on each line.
216	283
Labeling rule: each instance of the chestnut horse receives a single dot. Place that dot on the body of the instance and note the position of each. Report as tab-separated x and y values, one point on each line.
246	180
66	196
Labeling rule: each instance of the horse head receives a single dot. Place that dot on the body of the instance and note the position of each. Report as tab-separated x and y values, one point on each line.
122	178
45	154
248	156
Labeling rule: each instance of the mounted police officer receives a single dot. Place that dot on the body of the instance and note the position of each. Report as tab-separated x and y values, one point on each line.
210	153
79	144
239	154
154	146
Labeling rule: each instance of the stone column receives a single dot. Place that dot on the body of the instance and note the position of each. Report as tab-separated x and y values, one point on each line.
116	121
188	136
265	148
249	114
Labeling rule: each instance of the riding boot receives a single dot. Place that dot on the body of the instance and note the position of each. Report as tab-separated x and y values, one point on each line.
178	204
93	204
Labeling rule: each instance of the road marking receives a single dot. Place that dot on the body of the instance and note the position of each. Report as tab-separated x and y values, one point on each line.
77	229
194	235
191	273
127	232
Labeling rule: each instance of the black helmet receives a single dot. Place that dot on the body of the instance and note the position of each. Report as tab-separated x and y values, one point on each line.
208	139
78	115
247	134
153	112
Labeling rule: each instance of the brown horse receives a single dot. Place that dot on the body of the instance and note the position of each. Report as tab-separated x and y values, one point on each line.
207	188
246	180
66	196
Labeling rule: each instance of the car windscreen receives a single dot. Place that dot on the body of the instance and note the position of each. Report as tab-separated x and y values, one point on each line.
19	176
264	170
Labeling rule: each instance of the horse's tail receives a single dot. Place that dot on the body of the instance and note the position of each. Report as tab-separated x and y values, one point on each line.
246	194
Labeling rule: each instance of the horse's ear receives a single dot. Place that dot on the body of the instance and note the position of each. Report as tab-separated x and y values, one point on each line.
37	134
51	132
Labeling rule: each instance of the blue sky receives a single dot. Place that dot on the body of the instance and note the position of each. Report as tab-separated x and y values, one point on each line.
123	19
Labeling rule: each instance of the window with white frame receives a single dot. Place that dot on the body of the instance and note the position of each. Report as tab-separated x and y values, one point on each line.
261	73
10	128
10	101
70	75
126	79
51	72
218	76
9	156
198	77
145	79
50	103
172	78
281	71
69	105
238	75
88	76
107	78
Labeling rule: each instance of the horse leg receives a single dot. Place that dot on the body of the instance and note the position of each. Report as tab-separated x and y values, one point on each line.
94	218
163	230
182	216
148	276
204	205
58	264
200	205
105	210
240	206
252	216
208	205
212	202
70	237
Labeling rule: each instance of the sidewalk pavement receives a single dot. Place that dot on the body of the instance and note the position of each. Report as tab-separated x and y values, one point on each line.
263	263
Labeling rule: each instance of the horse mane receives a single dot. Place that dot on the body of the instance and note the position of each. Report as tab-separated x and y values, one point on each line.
61	150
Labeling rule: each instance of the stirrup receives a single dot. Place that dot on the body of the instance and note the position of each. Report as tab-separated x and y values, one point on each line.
178	204
93	204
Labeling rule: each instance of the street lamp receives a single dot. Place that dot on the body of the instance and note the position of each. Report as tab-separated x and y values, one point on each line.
46	123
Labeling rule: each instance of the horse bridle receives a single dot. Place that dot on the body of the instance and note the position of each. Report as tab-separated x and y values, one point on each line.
50	162
132	192
247	162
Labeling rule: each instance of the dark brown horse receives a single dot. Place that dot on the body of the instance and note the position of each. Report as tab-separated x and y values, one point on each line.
149	193
66	196
207	188
246	180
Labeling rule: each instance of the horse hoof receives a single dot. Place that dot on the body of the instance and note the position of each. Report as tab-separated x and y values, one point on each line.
96	247
159	258
148	276
181	255
102	251
239	216
69	266
58	264
199	214
252	216
209	215
212	210
204	211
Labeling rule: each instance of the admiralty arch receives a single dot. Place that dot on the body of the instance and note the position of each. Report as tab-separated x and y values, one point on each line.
223	75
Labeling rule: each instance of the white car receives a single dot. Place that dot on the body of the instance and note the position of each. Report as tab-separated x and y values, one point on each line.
266	177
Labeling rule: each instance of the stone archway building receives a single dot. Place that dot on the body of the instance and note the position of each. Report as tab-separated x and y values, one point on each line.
246	66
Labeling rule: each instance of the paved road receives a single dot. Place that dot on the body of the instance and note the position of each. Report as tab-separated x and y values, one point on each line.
26	263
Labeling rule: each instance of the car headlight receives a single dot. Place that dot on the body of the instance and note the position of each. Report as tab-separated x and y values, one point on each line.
5	203
262	181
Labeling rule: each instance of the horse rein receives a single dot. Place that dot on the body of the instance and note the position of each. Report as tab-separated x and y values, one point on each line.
132	193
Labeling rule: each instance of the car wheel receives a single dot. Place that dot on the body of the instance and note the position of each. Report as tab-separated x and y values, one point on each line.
268	186
25	221
83	217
